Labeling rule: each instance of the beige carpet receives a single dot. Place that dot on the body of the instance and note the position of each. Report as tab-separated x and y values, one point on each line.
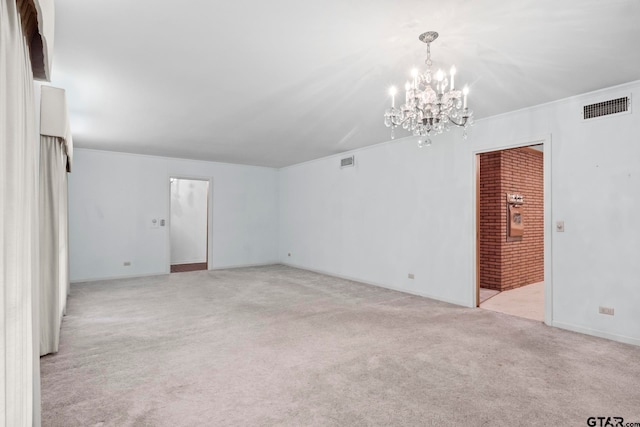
527	302
281	346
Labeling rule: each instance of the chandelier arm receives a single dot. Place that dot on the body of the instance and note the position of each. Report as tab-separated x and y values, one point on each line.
461	123
401	122
409	117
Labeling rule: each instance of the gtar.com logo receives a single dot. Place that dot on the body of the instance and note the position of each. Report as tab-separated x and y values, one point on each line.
605	422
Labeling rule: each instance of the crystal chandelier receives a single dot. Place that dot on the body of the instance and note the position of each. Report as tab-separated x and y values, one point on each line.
432	104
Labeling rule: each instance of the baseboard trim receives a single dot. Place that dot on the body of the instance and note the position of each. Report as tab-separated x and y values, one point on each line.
597	333
379	285
126	276
231	267
134	276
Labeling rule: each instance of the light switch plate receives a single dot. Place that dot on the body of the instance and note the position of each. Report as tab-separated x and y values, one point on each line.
560	226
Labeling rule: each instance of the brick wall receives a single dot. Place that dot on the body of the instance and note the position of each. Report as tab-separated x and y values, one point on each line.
511	264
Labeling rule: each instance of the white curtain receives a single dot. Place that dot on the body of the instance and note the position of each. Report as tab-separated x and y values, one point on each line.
19	374
54	263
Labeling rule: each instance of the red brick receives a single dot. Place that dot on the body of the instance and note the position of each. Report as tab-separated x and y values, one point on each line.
507	265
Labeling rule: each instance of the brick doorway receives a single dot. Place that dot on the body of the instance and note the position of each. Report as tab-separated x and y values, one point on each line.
509	260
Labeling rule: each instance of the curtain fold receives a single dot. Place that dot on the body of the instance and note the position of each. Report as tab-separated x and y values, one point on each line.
54	277
64	232
19	365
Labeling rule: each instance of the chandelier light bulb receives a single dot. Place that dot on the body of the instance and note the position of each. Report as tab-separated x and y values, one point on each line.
392	92
414	74
453	73
432	105
440	85
465	92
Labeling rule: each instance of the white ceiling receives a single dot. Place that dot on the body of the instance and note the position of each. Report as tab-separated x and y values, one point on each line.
279	82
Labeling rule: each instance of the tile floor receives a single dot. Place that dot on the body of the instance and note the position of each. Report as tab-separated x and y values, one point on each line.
527	301
485	294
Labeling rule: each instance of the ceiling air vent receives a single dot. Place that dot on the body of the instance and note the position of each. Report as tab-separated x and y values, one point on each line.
605	108
347	162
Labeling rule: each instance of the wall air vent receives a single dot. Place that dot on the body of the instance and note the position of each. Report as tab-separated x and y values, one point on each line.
347	162
605	108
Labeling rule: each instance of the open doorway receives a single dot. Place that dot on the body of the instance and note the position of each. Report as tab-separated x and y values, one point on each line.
189	225
510	244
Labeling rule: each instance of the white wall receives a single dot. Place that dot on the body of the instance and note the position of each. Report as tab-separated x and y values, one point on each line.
400	210
188	224
406	210
113	196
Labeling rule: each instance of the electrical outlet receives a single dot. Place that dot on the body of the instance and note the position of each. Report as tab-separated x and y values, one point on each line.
606	310
127	263
411	276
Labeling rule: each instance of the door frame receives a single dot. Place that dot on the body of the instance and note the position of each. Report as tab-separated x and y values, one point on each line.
209	236
548	226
